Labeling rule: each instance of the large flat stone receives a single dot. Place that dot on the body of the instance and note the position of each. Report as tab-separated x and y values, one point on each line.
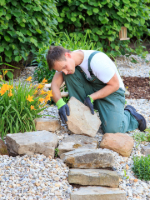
88	158
73	142
98	193
29	143
3	148
81	121
98	177
47	124
120	142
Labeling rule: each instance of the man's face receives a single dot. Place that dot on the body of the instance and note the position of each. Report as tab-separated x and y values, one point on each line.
66	66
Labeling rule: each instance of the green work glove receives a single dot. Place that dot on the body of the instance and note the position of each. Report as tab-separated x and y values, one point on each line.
63	110
89	102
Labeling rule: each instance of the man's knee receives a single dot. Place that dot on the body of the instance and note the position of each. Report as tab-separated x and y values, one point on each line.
112	128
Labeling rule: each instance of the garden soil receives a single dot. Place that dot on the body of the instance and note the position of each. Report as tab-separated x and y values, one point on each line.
138	87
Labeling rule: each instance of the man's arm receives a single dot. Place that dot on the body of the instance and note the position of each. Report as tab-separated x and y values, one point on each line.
112	86
55	86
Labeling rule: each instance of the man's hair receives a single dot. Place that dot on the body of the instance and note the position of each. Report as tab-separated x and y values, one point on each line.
55	53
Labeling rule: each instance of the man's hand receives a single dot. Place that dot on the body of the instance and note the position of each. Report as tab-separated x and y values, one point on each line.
63	110
88	103
62	113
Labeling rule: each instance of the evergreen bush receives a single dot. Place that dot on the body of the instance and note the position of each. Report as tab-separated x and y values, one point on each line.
105	19
25	26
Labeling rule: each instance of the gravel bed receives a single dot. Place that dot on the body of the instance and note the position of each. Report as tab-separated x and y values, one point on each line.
38	177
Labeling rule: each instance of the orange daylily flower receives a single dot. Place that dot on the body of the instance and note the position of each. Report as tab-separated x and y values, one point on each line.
44	81
2	91
5	87
32	107
43	92
47	98
35	91
29	98
29	78
40	86
41	99
10	93
50	93
10	87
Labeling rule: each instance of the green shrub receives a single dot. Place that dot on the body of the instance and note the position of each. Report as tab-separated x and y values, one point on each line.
141	167
25	26
19	106
105	19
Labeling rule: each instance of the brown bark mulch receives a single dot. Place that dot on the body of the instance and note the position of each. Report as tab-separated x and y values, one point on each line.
138	87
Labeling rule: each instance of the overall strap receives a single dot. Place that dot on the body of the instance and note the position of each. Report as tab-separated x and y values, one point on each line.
90	58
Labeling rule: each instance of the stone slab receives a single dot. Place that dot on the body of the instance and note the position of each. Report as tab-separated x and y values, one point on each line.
73	142
81	121
99	177
43	142
98	193
47	124
146	150
88	158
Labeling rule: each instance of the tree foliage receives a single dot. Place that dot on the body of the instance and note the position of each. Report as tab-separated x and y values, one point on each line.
25	26
105	19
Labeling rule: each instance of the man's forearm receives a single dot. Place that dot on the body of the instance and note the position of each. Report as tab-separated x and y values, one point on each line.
104	92
56	93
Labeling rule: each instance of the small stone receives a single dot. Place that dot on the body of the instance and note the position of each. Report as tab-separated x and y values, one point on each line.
135	180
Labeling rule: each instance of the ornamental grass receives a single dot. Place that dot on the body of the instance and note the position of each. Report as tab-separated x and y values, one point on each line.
20	105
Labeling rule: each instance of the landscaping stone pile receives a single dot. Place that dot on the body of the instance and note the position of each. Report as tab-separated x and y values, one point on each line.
37	176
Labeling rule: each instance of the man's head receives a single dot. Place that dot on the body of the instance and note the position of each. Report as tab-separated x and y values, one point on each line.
60	59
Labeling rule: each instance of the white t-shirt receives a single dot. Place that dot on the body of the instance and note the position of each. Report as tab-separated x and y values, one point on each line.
102	67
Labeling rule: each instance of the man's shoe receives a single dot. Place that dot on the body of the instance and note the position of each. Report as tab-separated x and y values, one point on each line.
141	120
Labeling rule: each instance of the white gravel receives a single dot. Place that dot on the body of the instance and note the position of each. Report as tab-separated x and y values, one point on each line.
37	177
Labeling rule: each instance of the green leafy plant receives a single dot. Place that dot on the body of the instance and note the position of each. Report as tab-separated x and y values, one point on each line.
104	19
25	26
142	137
141	167
20	105
56	152
125	174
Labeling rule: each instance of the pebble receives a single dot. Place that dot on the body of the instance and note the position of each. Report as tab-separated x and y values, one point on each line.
38	177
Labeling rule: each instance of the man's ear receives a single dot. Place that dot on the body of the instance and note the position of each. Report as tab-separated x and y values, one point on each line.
67	54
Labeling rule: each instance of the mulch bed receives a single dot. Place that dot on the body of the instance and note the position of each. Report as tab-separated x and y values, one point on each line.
139	88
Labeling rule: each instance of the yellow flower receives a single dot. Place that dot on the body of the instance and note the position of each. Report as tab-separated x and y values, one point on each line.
127	87
40	86
5	87
5	72
29	78
50	93
35	91
1	77
29	98
2	91
10	93
43	92
44	81
41	99
10	87
32	107
47	98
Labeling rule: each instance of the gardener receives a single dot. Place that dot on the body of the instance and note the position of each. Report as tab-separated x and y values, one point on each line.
92	78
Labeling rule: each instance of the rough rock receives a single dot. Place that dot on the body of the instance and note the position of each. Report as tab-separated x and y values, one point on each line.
81	121
73	142
99	177
29	143
47	124
146	150
3	148
119	142
95	193
88	158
